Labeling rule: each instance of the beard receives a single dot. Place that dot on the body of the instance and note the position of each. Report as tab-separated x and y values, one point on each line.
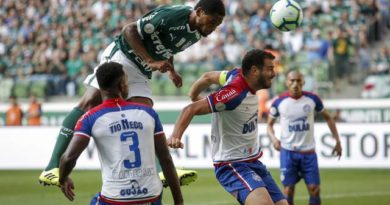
264	83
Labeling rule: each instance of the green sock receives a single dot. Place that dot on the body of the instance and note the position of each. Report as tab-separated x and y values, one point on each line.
64	137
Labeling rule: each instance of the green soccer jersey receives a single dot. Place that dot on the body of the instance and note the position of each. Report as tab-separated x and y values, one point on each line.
164	31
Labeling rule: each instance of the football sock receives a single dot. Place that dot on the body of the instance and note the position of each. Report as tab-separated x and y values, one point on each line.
315	200
64	137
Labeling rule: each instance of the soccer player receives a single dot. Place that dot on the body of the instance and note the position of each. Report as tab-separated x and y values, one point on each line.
234	134
128	136
298	158
143	46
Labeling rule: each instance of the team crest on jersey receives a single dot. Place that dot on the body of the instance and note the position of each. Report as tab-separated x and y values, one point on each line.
272	111
306	108
149	28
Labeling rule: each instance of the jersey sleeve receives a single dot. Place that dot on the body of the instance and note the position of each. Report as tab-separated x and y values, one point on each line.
274	109
226	98
84	126
158	128
318	102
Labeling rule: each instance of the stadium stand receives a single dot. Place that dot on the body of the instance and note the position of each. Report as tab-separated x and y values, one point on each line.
47	47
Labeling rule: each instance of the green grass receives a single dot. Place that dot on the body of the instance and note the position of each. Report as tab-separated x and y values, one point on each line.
339	187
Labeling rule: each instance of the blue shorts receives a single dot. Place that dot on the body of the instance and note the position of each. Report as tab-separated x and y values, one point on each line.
240	178
296	165
95	201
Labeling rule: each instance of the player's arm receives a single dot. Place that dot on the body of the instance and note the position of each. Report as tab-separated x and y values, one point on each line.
168	167
133	38
207	79
174	76
271	133
332	126
67	163
200	107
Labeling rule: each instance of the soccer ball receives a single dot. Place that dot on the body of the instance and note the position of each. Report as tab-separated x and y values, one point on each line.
286	15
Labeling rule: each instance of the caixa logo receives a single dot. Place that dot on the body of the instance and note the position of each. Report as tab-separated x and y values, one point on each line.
134	190
249	127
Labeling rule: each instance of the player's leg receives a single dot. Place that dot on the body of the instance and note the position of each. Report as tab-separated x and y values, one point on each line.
289	173
311	175
249	182
90	99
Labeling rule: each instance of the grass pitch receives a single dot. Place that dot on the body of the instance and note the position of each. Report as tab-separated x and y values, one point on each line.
338	187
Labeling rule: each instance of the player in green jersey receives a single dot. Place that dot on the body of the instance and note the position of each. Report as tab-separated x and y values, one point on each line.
144	46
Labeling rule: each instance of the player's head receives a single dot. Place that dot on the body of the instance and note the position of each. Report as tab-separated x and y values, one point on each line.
294	83
209	15
112	79
258	65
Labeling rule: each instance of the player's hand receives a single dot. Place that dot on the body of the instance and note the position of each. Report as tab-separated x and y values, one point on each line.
276	144
337	149
175	143
162	66
67	188
176	78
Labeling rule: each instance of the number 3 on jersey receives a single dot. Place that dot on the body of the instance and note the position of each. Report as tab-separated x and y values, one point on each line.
133	148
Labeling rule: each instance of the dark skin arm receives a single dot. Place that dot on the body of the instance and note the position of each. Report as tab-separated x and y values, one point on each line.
68	160
271	133
333	129
168	168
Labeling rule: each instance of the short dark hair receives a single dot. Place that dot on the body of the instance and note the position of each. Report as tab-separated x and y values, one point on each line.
109	74
211	7
255	57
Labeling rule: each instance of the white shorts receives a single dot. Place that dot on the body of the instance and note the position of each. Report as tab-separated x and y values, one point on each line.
138	83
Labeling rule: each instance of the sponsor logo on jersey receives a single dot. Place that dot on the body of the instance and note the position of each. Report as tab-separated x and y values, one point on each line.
249	126
160	48
133	173
188	44
225	94
177	28
299	125
125	125
180	43
273	111
134	190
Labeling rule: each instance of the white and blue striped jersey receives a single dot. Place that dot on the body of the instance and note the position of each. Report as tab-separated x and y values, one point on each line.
297	120
234	121
124	135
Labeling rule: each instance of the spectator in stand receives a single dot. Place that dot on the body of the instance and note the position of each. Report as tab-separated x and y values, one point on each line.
14	114
34	111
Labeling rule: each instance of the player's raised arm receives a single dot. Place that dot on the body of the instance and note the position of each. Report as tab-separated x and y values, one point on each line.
207	79
67	163
200	107
168	167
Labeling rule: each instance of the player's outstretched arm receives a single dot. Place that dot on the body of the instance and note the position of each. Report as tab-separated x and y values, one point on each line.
207	79
200	107
67	163
332	126
271	133
133	38
168	168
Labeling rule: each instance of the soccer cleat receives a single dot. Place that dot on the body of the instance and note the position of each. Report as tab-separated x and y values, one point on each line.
50	177
186	177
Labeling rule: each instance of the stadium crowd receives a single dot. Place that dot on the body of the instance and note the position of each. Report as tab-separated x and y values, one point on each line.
48	47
